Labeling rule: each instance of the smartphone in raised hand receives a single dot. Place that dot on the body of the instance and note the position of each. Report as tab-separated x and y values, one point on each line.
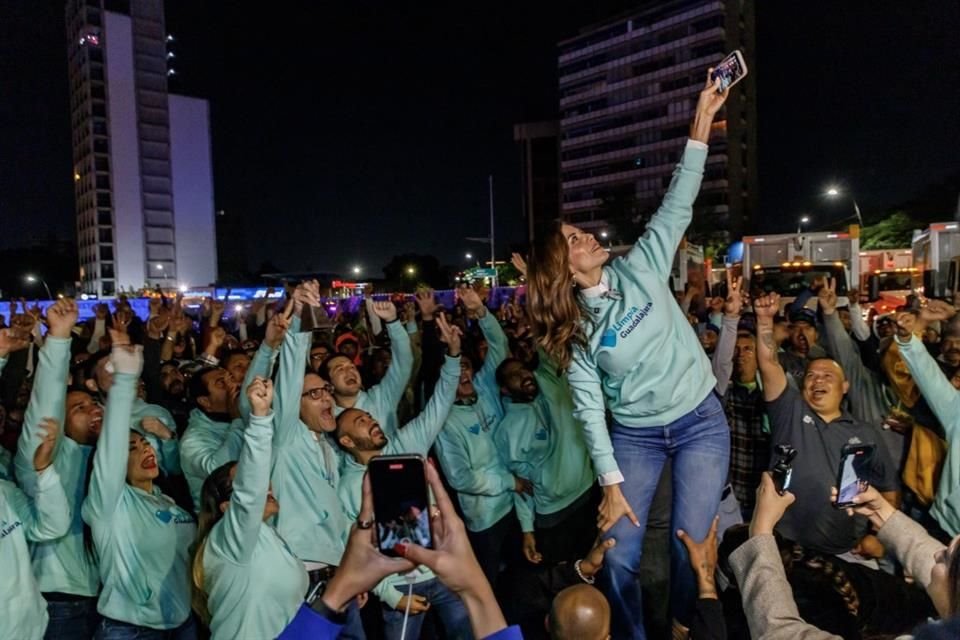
853	477
401	504
730	71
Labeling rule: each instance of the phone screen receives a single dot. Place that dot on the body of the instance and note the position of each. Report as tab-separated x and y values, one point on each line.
729	71
400	502
855	472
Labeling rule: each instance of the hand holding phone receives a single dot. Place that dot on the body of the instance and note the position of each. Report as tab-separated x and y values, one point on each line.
853	478
730	71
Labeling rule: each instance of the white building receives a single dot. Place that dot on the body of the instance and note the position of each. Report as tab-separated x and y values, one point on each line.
142	161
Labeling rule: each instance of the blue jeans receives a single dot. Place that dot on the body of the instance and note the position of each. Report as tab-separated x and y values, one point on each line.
456	622
698	445
116	630
72	619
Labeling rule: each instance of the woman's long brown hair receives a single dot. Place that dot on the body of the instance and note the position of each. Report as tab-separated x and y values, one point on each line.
552	304
217	488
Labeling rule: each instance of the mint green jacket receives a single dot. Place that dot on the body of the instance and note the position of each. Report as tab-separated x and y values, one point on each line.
142	539
62	565
643	360
254	582
415	438
23	611
306	466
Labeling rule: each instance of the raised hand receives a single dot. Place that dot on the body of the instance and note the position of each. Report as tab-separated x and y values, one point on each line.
43	457
519	263
937	310
153	425
770	506
260	393
385	310
827	297
155	304
276	330
61	317
216	311
159	323
591	564
716	304
766	307
471	300
734	302
427	303
125	357
449	335
217	337
12	340
122	319
907	324
708	104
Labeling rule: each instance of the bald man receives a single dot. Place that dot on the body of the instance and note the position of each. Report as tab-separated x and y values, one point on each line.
814	421
579	613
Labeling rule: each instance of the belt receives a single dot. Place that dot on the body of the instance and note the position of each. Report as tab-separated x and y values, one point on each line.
322	575
56	596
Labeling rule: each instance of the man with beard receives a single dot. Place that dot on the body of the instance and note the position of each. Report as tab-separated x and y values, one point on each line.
551	452
467	452
66	570
381	400
812	421
801	346
360	435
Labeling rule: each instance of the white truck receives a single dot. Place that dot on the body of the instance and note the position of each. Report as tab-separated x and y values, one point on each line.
788	263
936	257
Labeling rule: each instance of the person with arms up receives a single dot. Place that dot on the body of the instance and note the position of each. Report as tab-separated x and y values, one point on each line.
629	348
142	538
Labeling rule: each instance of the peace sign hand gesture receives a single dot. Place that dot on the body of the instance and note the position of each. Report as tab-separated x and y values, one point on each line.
828	297
734	302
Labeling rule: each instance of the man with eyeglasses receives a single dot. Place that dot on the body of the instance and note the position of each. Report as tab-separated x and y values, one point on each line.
306	465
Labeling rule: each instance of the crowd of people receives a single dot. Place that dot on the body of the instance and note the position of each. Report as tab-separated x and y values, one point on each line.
598	453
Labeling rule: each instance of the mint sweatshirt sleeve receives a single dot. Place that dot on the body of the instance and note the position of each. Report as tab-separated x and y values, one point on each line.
47	516
47	400
387	395
656	247
722	360
943	399
110	459
588	403
387	592
235	536
286	401
523	505
461	474
261	365
419	434
497	347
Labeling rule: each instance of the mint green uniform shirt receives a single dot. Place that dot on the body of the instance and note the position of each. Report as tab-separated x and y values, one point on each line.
62	565
643	360
415	438
142	539
23	611
306	467
254	582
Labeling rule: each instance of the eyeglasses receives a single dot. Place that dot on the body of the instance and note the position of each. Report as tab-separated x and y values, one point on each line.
317	392
318	356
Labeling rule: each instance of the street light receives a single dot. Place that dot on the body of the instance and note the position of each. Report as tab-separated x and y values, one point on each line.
835	192
469	256
802	221
356	271
411	270
33	279
604	234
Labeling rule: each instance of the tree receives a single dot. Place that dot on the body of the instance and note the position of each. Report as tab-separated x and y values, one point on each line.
893	232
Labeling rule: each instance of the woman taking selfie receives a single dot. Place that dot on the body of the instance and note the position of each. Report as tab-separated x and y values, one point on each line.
628	348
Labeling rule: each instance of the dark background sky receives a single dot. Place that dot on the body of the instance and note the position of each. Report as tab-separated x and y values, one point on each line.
350	132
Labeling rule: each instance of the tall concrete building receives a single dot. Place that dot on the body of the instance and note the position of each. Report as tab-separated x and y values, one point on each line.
142	162
628	88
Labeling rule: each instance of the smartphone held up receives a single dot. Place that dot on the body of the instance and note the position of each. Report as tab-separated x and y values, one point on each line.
401	503
853	478
730	71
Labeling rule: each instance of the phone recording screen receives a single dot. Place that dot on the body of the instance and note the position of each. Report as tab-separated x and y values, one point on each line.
855	471
729	71
400	503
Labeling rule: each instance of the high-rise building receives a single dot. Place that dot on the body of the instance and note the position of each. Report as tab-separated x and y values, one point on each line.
539	144
628	89
142	162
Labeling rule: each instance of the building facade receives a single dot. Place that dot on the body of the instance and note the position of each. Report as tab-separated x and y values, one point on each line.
539	145
628	89
143	176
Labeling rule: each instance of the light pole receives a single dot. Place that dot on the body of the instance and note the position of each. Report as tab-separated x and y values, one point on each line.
33	279
802	221
836	192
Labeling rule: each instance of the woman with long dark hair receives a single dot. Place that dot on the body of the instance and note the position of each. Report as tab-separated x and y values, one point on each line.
142	538
628	348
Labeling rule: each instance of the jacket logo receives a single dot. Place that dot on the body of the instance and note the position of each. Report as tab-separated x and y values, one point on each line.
632	320
807	420
475	429
8	528
609	338
176	516
541	434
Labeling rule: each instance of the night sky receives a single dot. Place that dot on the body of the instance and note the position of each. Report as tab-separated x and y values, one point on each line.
354	132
